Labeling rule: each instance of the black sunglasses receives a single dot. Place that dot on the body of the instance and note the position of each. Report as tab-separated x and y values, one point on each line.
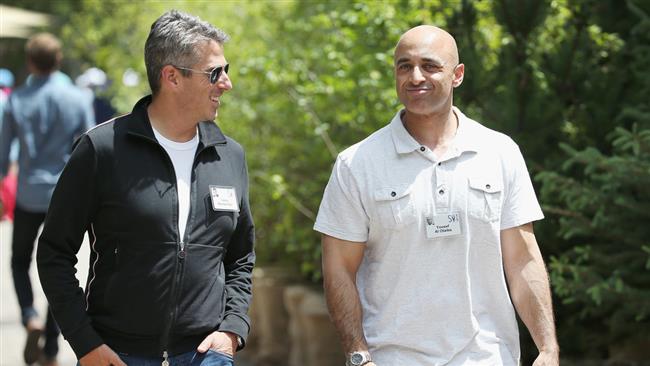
215	74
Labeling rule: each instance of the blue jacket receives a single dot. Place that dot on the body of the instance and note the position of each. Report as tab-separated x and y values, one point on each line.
45	115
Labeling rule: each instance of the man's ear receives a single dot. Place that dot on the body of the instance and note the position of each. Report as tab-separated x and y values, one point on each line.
170	77
459	74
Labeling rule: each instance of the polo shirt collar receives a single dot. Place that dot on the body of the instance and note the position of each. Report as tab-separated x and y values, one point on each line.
404	142
466	136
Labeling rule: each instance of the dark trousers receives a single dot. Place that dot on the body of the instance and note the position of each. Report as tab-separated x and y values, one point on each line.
26	225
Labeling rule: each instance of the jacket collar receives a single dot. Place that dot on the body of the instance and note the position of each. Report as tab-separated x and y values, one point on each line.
209	133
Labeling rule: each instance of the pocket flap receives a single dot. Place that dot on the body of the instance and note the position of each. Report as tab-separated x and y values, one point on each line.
392	193
486	184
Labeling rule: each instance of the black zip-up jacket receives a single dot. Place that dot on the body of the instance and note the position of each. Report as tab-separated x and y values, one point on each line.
148	290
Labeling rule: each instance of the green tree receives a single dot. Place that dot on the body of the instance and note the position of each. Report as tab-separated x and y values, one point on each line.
603	201
326	83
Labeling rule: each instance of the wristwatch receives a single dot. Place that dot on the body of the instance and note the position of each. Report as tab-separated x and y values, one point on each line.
358	358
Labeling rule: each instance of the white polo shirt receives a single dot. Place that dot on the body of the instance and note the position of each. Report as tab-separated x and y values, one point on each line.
431	300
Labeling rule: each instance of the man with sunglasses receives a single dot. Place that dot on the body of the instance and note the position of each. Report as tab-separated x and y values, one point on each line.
163	196
427	231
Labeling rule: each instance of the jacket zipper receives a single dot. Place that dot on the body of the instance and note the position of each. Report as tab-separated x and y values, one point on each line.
165	361
178	274
164	339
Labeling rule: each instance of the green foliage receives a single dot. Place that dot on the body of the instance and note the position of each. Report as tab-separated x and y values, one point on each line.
325	83
602	205
601	202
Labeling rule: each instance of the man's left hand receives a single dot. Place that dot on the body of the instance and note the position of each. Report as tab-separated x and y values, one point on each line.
547	358
223	342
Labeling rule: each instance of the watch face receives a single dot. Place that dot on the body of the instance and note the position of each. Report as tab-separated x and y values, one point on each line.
356	359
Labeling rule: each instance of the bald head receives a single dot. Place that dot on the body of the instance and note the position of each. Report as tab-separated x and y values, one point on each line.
429	37
427	71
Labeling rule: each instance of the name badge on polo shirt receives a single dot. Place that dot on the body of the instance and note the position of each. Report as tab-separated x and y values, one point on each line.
443	225
224	198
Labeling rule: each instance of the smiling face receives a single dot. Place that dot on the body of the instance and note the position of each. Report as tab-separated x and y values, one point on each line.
427	70
201	98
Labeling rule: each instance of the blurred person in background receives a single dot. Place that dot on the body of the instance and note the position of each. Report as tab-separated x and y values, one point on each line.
57	76
44	116
163	196
6	85
8	184
94	82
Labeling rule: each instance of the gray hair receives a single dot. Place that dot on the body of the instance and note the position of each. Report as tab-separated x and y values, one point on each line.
173	40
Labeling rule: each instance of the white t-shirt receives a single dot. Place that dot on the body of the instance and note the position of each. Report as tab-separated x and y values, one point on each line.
432	300
182	156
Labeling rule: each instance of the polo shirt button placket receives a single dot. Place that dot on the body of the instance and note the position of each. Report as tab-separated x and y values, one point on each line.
442	197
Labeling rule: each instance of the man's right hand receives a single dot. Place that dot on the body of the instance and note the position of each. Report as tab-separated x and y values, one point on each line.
101	356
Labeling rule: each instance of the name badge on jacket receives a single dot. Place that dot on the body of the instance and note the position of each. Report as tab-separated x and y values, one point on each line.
224	198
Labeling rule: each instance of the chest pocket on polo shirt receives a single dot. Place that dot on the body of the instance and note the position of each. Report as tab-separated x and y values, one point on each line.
484	198
395	206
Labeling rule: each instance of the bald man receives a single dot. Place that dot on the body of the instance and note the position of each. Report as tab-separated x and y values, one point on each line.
427	230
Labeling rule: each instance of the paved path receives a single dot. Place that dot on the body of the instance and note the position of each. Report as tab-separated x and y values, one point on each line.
12	334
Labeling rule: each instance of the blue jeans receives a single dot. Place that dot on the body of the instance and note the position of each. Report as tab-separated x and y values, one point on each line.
192	358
